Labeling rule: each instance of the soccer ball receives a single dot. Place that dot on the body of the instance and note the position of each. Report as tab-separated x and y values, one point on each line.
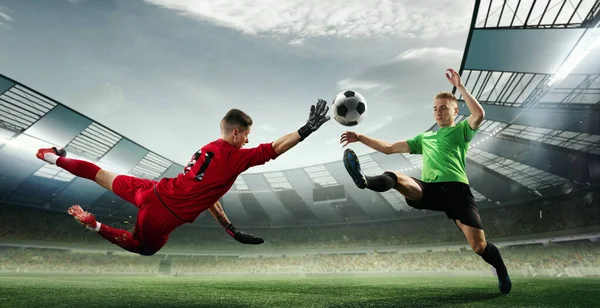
349	108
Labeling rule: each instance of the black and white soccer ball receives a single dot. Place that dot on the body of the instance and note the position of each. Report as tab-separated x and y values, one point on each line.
349	108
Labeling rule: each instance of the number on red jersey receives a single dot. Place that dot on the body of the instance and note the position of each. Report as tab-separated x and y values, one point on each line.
200	174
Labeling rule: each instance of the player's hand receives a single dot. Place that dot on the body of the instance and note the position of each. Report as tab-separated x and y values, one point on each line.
454	78
349	137
317	117
243	237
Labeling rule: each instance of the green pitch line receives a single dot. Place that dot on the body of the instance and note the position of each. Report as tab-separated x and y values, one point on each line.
330	291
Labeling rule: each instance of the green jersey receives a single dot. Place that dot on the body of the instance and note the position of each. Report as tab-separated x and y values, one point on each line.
444	152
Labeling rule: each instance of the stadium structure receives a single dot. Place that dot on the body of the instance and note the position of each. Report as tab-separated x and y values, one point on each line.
534	168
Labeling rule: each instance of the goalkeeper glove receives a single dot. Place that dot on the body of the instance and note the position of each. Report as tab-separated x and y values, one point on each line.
316	118
243	237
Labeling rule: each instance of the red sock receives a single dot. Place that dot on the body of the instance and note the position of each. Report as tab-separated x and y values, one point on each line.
79	168
122	238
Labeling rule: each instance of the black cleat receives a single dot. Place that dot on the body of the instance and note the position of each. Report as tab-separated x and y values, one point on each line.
504	284
353	167
60	151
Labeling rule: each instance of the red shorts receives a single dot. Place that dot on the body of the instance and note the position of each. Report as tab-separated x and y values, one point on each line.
154	222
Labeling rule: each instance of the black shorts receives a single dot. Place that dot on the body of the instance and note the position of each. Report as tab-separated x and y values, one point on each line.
453	198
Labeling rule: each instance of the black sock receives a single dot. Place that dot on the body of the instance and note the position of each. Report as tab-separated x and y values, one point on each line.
492	256
382	182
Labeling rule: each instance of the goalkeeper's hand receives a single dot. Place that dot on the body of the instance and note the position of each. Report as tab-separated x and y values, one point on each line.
243	237
316	118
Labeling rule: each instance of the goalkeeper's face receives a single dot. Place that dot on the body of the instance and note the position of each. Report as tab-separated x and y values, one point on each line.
240	137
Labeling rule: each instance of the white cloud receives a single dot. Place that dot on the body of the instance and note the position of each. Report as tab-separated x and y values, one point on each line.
296	42
378	126
5	15
267	127
406	71
103	100
331	18
435	54
375	87
334	140
350	83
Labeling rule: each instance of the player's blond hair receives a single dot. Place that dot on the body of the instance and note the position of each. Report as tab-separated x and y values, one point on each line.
447	95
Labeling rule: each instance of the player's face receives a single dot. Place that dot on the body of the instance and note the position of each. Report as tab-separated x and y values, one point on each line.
444	111
240	137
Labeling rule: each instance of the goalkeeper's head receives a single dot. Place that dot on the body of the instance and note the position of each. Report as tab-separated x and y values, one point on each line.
235	127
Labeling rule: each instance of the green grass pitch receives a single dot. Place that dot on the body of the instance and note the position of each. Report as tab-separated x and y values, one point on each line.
328	291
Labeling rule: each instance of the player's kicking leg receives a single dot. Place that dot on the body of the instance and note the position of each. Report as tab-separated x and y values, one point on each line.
80	168
383	182
489	253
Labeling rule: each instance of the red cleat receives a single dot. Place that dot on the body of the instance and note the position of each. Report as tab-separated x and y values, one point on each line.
41	154
86	219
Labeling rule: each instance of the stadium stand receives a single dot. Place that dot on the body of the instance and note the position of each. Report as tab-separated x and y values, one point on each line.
573	258
565	215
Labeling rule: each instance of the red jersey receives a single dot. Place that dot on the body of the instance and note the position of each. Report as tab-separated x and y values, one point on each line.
208	176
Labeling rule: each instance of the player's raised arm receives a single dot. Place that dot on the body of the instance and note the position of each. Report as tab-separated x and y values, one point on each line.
245	238
316	118
477	112
375	144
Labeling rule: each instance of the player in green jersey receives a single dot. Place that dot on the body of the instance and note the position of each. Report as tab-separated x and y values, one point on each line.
443	185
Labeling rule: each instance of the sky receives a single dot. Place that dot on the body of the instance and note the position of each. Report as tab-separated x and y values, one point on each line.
163	73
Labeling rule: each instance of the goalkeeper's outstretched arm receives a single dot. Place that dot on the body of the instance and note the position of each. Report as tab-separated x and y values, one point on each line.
318	116
245	238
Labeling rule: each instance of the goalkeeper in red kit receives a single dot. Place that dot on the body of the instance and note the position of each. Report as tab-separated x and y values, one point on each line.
171	202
